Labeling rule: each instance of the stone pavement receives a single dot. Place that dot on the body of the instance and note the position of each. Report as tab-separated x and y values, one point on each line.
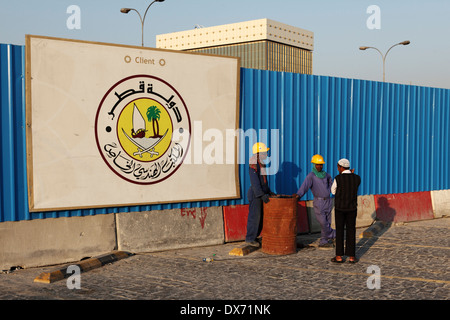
412	261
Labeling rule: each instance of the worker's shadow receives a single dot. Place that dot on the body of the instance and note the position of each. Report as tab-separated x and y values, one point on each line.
384	217
285	179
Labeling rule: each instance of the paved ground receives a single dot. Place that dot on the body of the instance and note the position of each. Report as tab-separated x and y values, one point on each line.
412	260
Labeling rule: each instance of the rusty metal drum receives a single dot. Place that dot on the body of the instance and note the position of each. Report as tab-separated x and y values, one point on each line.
280	226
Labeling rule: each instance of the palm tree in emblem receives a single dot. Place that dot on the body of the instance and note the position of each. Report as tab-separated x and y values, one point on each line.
145	145
153	115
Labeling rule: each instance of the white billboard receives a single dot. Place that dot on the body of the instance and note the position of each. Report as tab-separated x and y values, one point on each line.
111	125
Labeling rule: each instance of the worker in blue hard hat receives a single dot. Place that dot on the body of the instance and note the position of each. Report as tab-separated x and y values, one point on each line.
258	193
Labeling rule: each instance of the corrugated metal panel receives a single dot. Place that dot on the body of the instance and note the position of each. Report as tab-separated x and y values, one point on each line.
13	199
396	136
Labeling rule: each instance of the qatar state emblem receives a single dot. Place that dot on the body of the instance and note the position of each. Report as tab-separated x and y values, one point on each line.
143	129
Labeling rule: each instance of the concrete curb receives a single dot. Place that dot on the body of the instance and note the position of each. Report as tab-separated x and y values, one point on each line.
169	229
440	200
55	241
85	265
404	207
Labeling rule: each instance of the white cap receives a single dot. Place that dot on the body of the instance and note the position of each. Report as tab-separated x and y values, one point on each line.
344	163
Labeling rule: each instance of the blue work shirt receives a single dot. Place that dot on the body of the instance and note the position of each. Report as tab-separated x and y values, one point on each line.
259	185
320	188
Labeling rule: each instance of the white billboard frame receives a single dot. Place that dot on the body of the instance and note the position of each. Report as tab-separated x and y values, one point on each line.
84	103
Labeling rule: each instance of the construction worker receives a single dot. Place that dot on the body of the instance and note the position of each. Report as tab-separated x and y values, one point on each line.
345	187
258	193
320	184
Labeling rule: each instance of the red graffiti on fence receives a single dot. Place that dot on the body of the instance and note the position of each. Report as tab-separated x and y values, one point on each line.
186	212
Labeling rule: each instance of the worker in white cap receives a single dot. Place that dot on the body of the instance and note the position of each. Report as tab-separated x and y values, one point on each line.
345	188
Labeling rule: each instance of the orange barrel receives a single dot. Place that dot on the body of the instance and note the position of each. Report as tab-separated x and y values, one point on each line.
280	226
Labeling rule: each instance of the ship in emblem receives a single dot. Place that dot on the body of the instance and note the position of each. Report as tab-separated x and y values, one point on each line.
143	129
143	144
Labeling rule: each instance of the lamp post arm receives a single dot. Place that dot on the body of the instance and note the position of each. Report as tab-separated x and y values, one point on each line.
143	20
383	57
137	13
147	10
142	23
126	10
404	43
390	49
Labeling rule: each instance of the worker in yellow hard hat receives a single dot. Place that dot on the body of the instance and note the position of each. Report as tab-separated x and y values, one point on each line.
320	184
258	193
317	159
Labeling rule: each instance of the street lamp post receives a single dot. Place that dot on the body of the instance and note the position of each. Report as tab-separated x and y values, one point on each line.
126	10
403	43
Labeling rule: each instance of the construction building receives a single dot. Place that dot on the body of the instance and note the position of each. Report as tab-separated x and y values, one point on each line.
261	44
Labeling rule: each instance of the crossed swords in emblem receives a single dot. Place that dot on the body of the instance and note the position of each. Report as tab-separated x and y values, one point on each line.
139	122
142	149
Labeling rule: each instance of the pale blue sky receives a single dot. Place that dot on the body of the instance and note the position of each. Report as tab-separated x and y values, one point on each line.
339	29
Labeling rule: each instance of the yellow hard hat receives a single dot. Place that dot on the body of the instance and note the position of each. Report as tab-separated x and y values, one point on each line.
260	147
317	159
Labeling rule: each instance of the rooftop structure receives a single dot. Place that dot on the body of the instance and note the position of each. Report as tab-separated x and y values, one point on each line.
261	44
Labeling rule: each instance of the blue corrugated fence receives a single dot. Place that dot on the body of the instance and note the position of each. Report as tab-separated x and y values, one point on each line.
395	136
13	188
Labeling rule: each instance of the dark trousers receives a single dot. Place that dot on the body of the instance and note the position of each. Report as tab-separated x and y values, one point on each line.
347	220
255	219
